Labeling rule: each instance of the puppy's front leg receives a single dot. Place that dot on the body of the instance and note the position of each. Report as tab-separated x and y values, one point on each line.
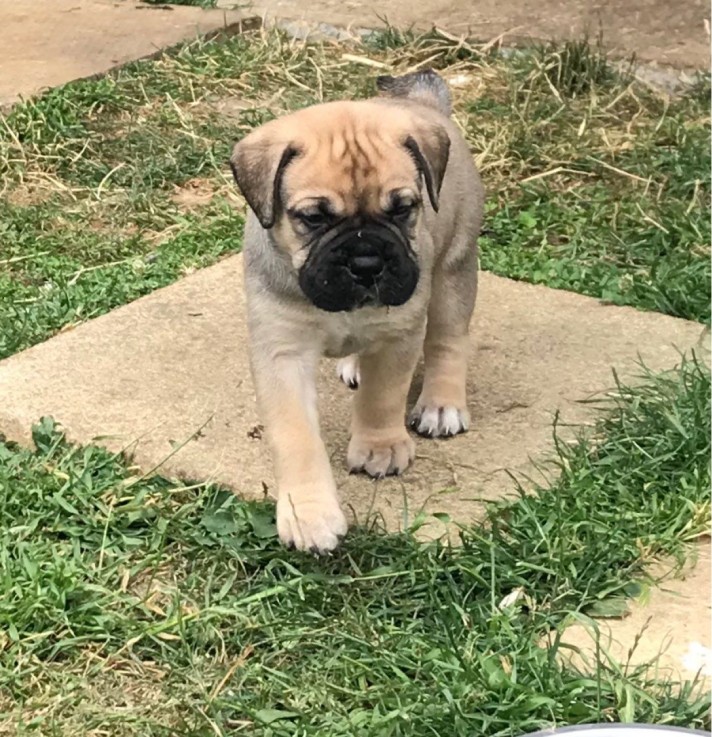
308	512
380	444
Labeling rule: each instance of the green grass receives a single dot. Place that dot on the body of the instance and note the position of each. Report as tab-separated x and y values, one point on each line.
596	183
137	606
133	606
94	272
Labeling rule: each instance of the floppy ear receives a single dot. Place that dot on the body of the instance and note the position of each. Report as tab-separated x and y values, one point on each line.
258	165
430	147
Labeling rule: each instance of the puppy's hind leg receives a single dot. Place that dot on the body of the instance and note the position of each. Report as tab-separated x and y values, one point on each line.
441	409
349	371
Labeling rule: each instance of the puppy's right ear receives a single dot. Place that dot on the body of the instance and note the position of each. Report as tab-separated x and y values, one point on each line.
258	163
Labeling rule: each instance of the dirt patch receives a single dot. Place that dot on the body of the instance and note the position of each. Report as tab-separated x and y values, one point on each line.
193	194
26	196
232	107
35	189
96	690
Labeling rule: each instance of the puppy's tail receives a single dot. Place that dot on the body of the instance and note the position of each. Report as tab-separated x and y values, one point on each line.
426	87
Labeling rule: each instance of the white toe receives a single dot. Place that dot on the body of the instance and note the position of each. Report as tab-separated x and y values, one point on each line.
349	372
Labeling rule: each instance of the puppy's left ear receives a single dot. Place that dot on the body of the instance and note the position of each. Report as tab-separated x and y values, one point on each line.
429	145
258	162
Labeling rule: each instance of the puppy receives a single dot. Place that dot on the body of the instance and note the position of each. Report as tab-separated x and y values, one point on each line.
361	244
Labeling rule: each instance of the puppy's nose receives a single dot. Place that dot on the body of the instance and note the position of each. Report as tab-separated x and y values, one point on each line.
366	268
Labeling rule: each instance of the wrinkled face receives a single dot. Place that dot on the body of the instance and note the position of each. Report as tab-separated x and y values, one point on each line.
349	222
346	196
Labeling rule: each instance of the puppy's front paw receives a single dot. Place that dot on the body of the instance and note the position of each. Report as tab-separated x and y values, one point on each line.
379	457
432	421
315	525
349	371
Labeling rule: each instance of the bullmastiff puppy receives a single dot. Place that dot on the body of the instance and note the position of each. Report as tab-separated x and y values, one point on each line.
361	244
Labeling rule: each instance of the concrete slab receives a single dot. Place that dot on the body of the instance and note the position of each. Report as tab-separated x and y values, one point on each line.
671	625
650	29
45	44
48	44
171	369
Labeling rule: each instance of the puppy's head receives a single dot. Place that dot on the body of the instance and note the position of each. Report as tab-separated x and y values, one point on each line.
341	186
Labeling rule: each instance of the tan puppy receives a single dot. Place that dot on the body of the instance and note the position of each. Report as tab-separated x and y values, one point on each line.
361	244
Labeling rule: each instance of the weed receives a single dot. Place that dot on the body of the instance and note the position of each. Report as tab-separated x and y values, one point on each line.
572	68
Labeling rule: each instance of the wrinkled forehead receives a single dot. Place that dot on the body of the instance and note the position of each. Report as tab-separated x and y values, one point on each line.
354	163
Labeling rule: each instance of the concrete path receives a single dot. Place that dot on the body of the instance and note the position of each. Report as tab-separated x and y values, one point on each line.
653	30
48	43
674	619
152	374
45	44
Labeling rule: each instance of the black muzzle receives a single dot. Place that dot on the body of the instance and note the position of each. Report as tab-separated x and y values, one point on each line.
352	266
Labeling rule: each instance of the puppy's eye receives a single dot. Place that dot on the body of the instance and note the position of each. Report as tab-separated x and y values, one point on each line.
401	210
313	219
